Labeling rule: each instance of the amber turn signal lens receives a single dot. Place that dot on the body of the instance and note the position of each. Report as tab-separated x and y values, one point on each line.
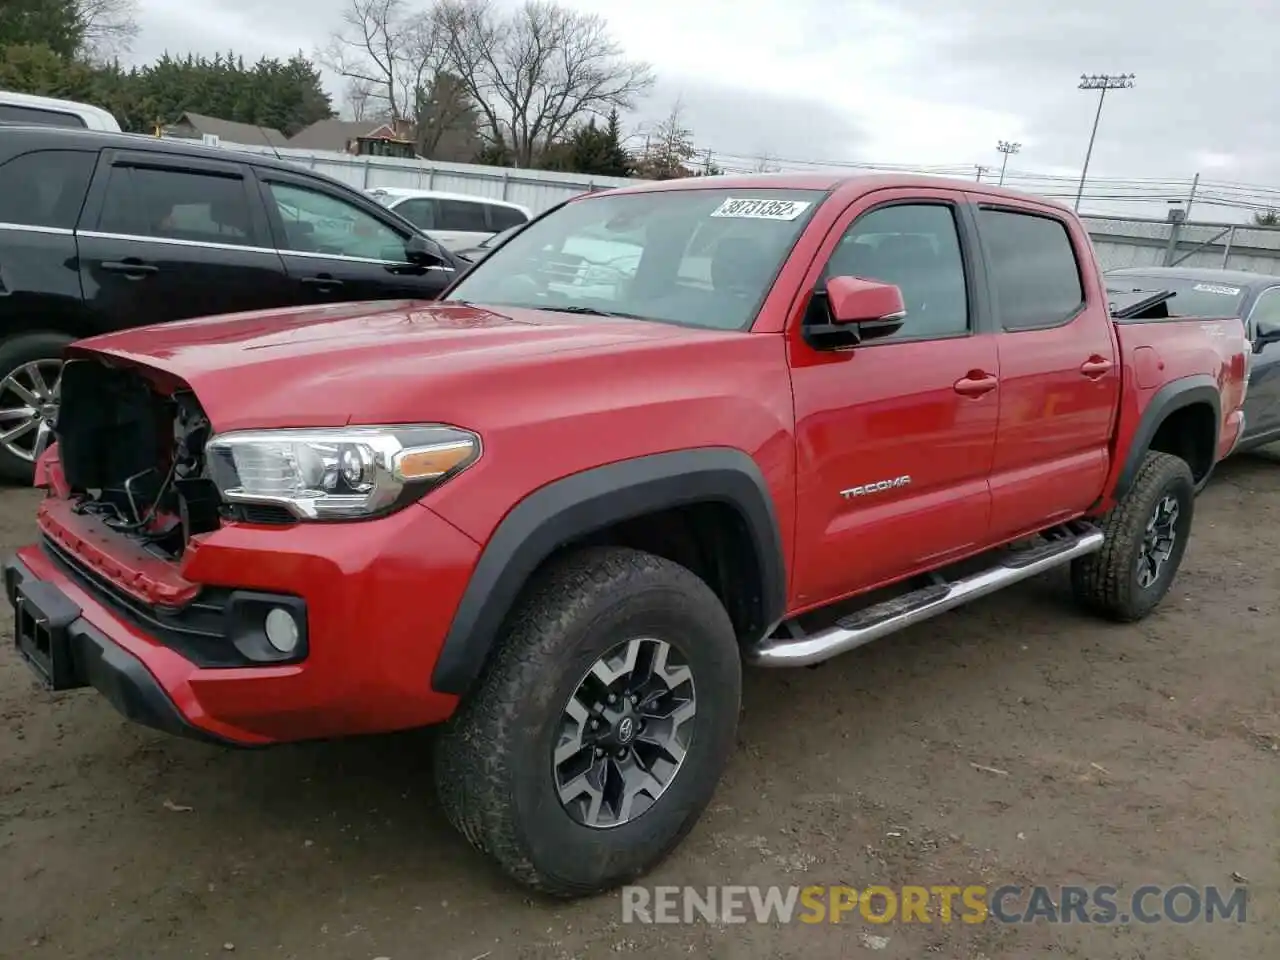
430	463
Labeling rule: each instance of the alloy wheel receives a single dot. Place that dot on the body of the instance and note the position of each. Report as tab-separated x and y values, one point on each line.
29	407
1158	541
624	733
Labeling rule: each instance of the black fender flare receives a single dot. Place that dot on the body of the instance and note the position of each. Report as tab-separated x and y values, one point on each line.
586	502
1183	392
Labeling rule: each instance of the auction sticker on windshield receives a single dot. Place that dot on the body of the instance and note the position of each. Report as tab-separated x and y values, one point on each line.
1217	288
761	209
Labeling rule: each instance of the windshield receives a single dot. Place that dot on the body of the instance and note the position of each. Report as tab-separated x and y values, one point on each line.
1191	298
703	258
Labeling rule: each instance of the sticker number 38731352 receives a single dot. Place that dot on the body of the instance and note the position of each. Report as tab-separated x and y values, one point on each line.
761	209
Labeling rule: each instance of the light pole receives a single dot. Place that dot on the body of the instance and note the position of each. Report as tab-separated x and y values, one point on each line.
1102	82
1005	147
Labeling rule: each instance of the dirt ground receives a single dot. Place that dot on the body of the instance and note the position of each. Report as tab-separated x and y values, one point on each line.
1112	755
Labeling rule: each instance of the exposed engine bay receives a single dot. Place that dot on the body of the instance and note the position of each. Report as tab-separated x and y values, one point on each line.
134	456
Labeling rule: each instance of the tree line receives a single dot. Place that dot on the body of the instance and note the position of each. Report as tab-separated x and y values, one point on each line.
540	85
70	49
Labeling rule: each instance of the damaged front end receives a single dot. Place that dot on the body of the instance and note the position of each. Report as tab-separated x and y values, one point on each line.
131	452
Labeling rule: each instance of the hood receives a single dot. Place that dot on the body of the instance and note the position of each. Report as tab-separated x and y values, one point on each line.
360	362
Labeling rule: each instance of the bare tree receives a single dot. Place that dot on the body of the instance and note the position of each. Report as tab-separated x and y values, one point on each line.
357	94
109	26
388	52
765	163
533	73
669	148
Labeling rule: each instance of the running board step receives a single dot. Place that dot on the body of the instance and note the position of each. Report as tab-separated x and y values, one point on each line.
901	612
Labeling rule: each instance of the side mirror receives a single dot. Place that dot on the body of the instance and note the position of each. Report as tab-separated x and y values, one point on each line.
422	252
857	310
1267	331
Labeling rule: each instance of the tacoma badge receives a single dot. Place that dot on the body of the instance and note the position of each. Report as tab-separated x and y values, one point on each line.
878	487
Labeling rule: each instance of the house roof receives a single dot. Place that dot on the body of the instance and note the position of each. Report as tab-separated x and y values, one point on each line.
333	134
234	132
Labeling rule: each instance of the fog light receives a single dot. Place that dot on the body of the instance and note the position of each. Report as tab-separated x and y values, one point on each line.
281	630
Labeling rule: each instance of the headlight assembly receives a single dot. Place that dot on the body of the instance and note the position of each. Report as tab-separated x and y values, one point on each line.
343	473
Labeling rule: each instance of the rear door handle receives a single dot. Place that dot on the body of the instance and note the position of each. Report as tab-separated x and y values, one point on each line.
131	268
975	384
323	283
1095	367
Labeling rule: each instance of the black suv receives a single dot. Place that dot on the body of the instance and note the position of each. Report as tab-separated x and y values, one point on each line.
101	231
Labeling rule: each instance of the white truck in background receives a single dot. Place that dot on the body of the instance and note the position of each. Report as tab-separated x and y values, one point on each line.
26	108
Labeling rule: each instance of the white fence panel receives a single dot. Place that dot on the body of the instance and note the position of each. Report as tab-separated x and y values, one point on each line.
535	189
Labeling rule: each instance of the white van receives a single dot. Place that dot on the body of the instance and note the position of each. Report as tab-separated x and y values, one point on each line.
454	220
27	109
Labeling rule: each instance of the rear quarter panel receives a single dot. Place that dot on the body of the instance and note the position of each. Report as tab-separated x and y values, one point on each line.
1156	353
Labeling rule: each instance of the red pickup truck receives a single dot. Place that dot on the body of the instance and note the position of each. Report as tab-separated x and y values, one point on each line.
656	433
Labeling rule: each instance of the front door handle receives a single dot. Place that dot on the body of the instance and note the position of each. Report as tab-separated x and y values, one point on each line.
1095	367
975	384
131	268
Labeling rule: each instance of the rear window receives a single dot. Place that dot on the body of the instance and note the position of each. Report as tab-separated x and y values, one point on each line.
1033	265
461	215
177	205
1191	298
45	188
12	113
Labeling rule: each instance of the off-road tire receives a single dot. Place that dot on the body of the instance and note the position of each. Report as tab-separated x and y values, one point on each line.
15	351
1106	582
493	761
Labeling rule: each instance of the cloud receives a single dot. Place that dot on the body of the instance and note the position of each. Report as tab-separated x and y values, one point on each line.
742	127
930	82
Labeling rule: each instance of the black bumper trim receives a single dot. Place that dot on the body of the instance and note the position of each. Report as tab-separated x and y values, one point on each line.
117	674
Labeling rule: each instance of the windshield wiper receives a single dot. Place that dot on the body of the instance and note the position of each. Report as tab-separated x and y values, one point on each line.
593	312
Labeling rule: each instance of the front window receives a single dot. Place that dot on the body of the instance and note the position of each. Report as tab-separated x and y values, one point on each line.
1195	299
703	258
318	223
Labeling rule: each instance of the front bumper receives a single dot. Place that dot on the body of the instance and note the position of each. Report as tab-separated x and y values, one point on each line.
66	651
379	597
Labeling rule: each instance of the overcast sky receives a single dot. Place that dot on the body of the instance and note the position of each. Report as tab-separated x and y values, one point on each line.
929	82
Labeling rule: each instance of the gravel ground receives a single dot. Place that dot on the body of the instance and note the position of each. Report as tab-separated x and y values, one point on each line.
1016	741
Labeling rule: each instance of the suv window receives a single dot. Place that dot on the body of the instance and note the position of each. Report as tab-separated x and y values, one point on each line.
12	113
504	218
915	246
45	188
1033	267
420	211
461	215
315	222
177	205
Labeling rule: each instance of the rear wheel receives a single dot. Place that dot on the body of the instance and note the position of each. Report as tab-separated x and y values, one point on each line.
30	378
1146	536
598	734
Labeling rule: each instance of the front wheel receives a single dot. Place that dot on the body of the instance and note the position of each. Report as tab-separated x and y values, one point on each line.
30	377
1146	535
599	732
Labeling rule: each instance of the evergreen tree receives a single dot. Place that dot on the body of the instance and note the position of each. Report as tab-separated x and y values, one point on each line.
54	24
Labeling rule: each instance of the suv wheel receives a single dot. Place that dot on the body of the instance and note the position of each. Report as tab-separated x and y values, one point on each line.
1146	535
30	374
599	732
